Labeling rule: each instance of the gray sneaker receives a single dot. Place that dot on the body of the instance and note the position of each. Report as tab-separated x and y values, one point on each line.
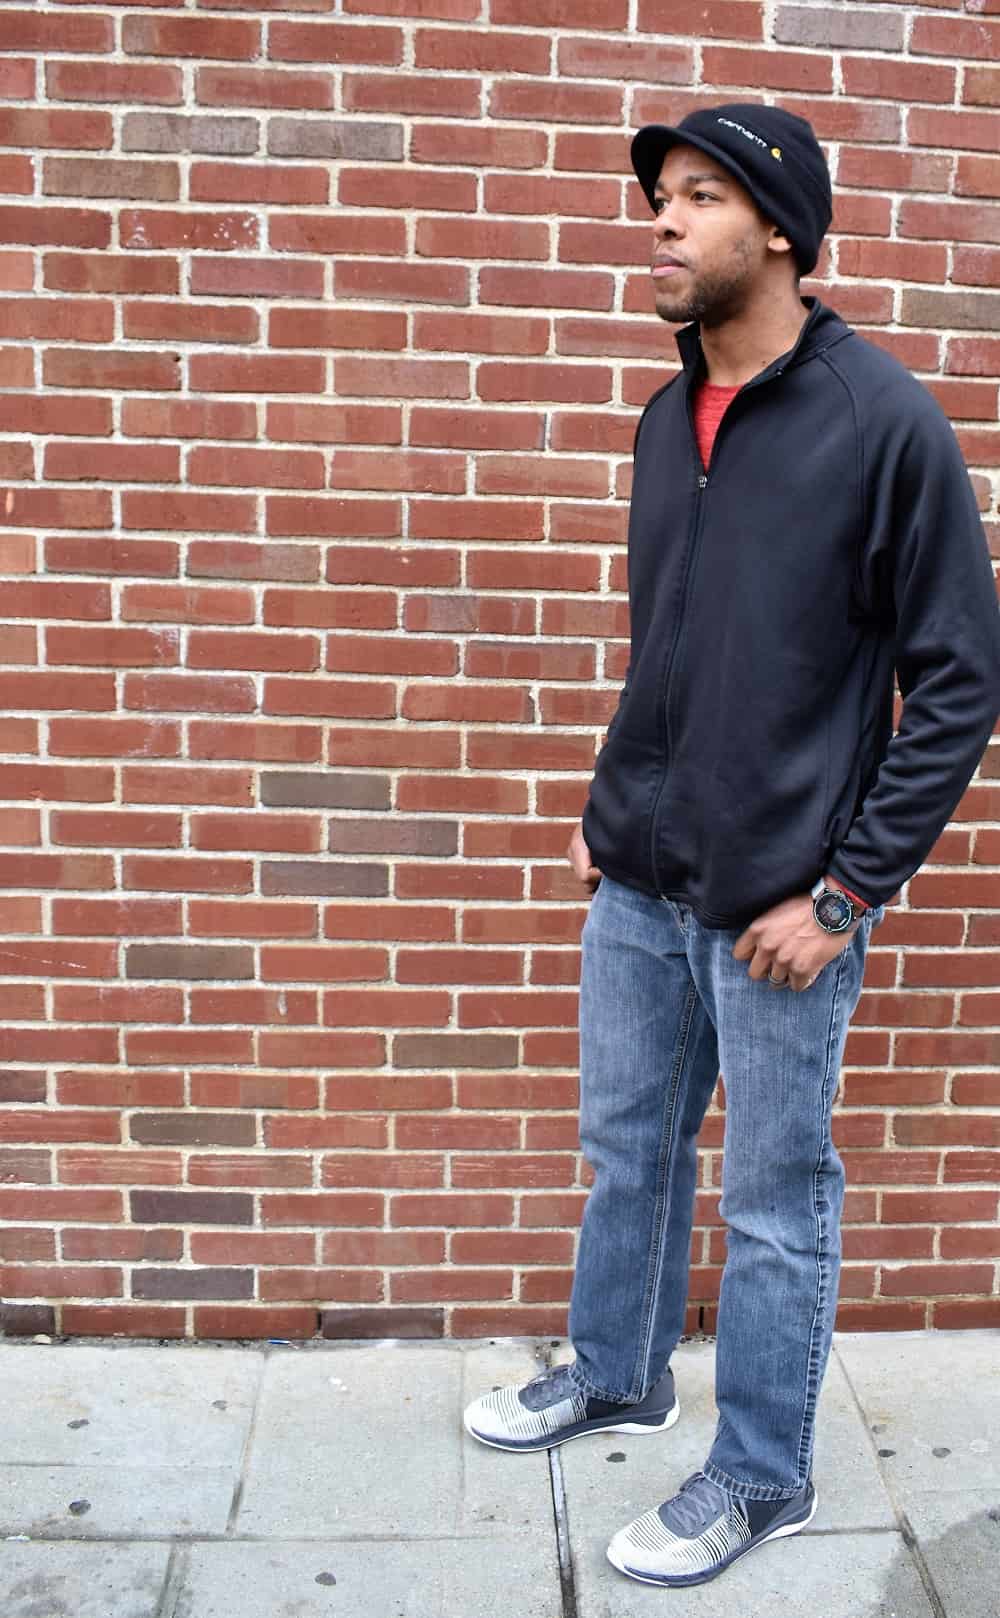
550	1409
693	1536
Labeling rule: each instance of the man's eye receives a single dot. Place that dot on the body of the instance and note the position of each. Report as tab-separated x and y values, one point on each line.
708	195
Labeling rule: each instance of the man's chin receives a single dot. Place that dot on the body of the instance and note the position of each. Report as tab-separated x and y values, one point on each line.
676	314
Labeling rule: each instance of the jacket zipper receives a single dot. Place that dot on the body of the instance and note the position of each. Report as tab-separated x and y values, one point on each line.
688	570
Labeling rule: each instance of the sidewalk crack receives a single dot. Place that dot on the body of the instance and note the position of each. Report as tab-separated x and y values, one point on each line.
904	1525
560	1515
567	1580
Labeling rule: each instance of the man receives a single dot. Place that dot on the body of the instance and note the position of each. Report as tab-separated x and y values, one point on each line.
801	524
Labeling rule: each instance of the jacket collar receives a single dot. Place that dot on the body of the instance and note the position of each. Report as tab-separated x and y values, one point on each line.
822	327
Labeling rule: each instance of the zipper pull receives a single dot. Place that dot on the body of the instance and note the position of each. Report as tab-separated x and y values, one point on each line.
702	480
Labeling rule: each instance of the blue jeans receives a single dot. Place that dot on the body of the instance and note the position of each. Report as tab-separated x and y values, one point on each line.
664	1005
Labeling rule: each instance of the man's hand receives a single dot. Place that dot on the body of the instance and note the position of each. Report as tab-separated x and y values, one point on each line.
579	857
787	942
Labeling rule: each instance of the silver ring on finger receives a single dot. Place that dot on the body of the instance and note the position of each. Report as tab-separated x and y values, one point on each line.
779	983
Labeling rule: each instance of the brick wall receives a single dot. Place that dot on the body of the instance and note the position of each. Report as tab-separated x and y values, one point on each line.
325	333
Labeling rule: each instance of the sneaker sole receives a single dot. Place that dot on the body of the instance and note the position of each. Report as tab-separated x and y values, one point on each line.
600	1425
720	1567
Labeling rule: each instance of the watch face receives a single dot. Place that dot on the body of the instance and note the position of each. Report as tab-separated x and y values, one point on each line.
833	911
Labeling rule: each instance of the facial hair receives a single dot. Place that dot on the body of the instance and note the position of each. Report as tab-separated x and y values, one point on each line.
715	296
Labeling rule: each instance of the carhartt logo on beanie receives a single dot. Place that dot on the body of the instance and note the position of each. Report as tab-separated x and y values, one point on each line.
773	153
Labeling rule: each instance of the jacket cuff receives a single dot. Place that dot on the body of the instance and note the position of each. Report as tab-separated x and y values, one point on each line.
857	897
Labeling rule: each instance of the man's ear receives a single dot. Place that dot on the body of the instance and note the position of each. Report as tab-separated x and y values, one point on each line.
777	242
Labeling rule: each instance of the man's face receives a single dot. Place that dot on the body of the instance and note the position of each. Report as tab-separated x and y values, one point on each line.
711	224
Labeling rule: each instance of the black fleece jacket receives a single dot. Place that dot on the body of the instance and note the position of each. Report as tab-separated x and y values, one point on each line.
834	540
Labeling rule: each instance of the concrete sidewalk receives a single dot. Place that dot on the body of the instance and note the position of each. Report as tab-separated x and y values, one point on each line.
329	1480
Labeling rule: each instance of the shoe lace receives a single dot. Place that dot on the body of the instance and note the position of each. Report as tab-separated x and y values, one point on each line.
544	1380
697	1500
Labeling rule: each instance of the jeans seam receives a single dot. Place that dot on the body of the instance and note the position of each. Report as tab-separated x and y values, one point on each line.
647	1314
822	1277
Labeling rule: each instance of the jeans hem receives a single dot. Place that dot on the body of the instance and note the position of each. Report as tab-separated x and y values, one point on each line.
589	1391
747	1491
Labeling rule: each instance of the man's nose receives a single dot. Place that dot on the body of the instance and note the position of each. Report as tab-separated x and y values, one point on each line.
666	222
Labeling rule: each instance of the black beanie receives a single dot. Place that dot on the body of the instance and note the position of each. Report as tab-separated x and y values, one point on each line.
773	153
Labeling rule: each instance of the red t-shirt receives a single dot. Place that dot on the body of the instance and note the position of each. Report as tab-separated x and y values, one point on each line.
710	404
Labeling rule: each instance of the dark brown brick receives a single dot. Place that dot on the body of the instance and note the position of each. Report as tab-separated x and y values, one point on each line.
382	1322
852	26
455	1050
433	837
193	1128
979	311
21	1084
189	961
335	138
174	132
191	1207
209	1283
324	789
24	1168
323	877
25	1319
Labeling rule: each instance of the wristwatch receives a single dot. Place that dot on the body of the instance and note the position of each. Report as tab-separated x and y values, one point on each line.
834	909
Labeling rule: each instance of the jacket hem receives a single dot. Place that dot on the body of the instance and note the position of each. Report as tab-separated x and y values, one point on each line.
708	918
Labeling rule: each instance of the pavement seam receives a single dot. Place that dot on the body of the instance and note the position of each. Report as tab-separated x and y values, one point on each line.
177	1563
560	1512
906	1530
567	1579
237	1499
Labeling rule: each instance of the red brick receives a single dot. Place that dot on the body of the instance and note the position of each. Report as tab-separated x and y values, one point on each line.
588	14
977	1242
716	19
549	194
981	86
551	1208
931	1280
952	36
979	131
904	261
478	50
512	1169
976	1089
840	119
860	1242
485	147
782	70
624	60
971	1167
966	1314
517	1320
938	1206
449	1210
890	79
554	289
874	169
555	102
449	1285
894	1087
947	1129
511	1247
407	93
949	221
881	1315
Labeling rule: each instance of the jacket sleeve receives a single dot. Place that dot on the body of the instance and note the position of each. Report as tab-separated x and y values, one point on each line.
928	561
